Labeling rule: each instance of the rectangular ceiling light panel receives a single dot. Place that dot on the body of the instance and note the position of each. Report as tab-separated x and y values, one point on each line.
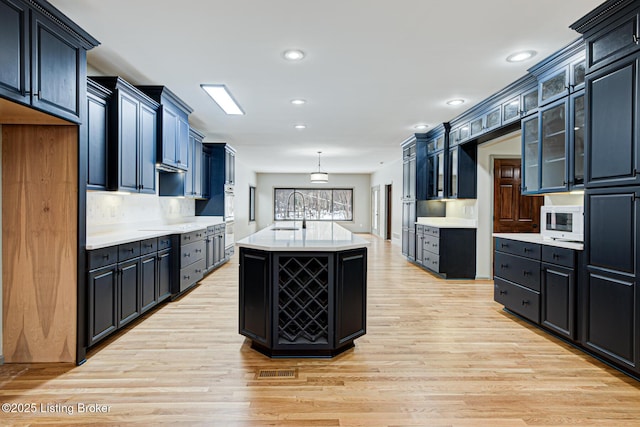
220	94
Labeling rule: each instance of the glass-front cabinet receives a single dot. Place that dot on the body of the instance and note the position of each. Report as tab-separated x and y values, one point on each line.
452	191
576	140
554	146
530	144
435	167
530	102
553	86
511	110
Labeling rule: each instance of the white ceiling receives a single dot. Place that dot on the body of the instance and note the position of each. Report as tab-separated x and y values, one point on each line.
373	69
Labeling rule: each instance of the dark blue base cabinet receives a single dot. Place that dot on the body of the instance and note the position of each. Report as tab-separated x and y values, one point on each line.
562	291
302	304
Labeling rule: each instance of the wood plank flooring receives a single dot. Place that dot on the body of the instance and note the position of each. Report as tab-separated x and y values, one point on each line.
436	353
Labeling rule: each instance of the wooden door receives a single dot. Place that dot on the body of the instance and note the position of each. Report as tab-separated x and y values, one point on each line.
513	212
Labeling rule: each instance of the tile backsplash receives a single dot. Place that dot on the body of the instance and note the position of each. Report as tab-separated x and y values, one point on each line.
107	210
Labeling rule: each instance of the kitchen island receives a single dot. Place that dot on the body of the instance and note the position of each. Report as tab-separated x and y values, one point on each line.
303	291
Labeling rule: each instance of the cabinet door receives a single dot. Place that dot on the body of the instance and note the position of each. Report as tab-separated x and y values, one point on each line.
431	176
220	253
197	168
530	154
529	102
232	169
452	191
492	119
128	291
57	65
128	111
97	117
612	318
553	86
149	272
612	155
164	275
255	301
554	143
419	247
576	140
147	144
511	110
412	243
14	51
558	299
206	175
440	174
351	296
169	136
182	148
189	175
577	77
103	297
405	179
412	178
405	241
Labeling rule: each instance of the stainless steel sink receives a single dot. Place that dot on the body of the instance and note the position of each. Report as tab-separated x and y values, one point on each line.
285	228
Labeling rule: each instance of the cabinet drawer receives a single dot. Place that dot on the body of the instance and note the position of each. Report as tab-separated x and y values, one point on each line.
419	229
148	246
192	252
529	250
431	231
431	260
100	257
191	274
211	230
523	271
228	252
560	256
128	250
193	236
164	242
520	300
432	244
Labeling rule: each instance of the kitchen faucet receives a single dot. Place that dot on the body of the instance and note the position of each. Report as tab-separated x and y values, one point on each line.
304	207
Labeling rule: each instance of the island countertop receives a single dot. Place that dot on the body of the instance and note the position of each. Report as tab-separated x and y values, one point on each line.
290	236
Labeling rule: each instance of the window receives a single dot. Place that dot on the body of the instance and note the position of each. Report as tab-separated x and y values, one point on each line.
252	203
318	204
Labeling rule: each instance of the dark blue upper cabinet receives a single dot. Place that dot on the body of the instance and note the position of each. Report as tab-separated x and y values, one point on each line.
612	154
173	128
97	135
132	137
43	58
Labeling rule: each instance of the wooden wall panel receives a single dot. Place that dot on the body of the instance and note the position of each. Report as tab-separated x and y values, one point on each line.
39	242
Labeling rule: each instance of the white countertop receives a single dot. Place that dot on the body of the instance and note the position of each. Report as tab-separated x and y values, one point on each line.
537	238
447	222
128	234
318	236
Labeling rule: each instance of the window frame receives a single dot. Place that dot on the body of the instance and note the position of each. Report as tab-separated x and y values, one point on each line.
309	189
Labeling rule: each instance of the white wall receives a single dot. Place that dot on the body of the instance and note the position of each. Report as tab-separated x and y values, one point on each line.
508	146
244	179
391	173
361	184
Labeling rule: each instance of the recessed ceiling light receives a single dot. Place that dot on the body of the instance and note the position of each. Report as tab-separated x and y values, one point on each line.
300	126
220	94
421	127
521	56
454	102
293	54
298	101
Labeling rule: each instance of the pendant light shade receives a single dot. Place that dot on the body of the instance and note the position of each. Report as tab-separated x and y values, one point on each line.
319	177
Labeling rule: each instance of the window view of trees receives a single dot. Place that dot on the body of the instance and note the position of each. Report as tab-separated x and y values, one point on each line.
317	204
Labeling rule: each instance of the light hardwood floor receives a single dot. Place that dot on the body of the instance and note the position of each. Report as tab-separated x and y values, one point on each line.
436	353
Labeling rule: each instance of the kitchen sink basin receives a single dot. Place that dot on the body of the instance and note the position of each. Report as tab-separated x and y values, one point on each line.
285	228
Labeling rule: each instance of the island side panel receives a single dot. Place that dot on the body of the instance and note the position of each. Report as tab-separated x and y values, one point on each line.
351	296
255	295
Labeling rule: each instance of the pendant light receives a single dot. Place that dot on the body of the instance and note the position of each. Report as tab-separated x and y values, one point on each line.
319	177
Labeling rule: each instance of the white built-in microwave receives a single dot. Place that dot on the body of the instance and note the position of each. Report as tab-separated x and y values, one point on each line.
562	222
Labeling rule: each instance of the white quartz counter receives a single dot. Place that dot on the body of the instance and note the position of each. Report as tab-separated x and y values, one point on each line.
448	222
290	236
129	234
537	238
